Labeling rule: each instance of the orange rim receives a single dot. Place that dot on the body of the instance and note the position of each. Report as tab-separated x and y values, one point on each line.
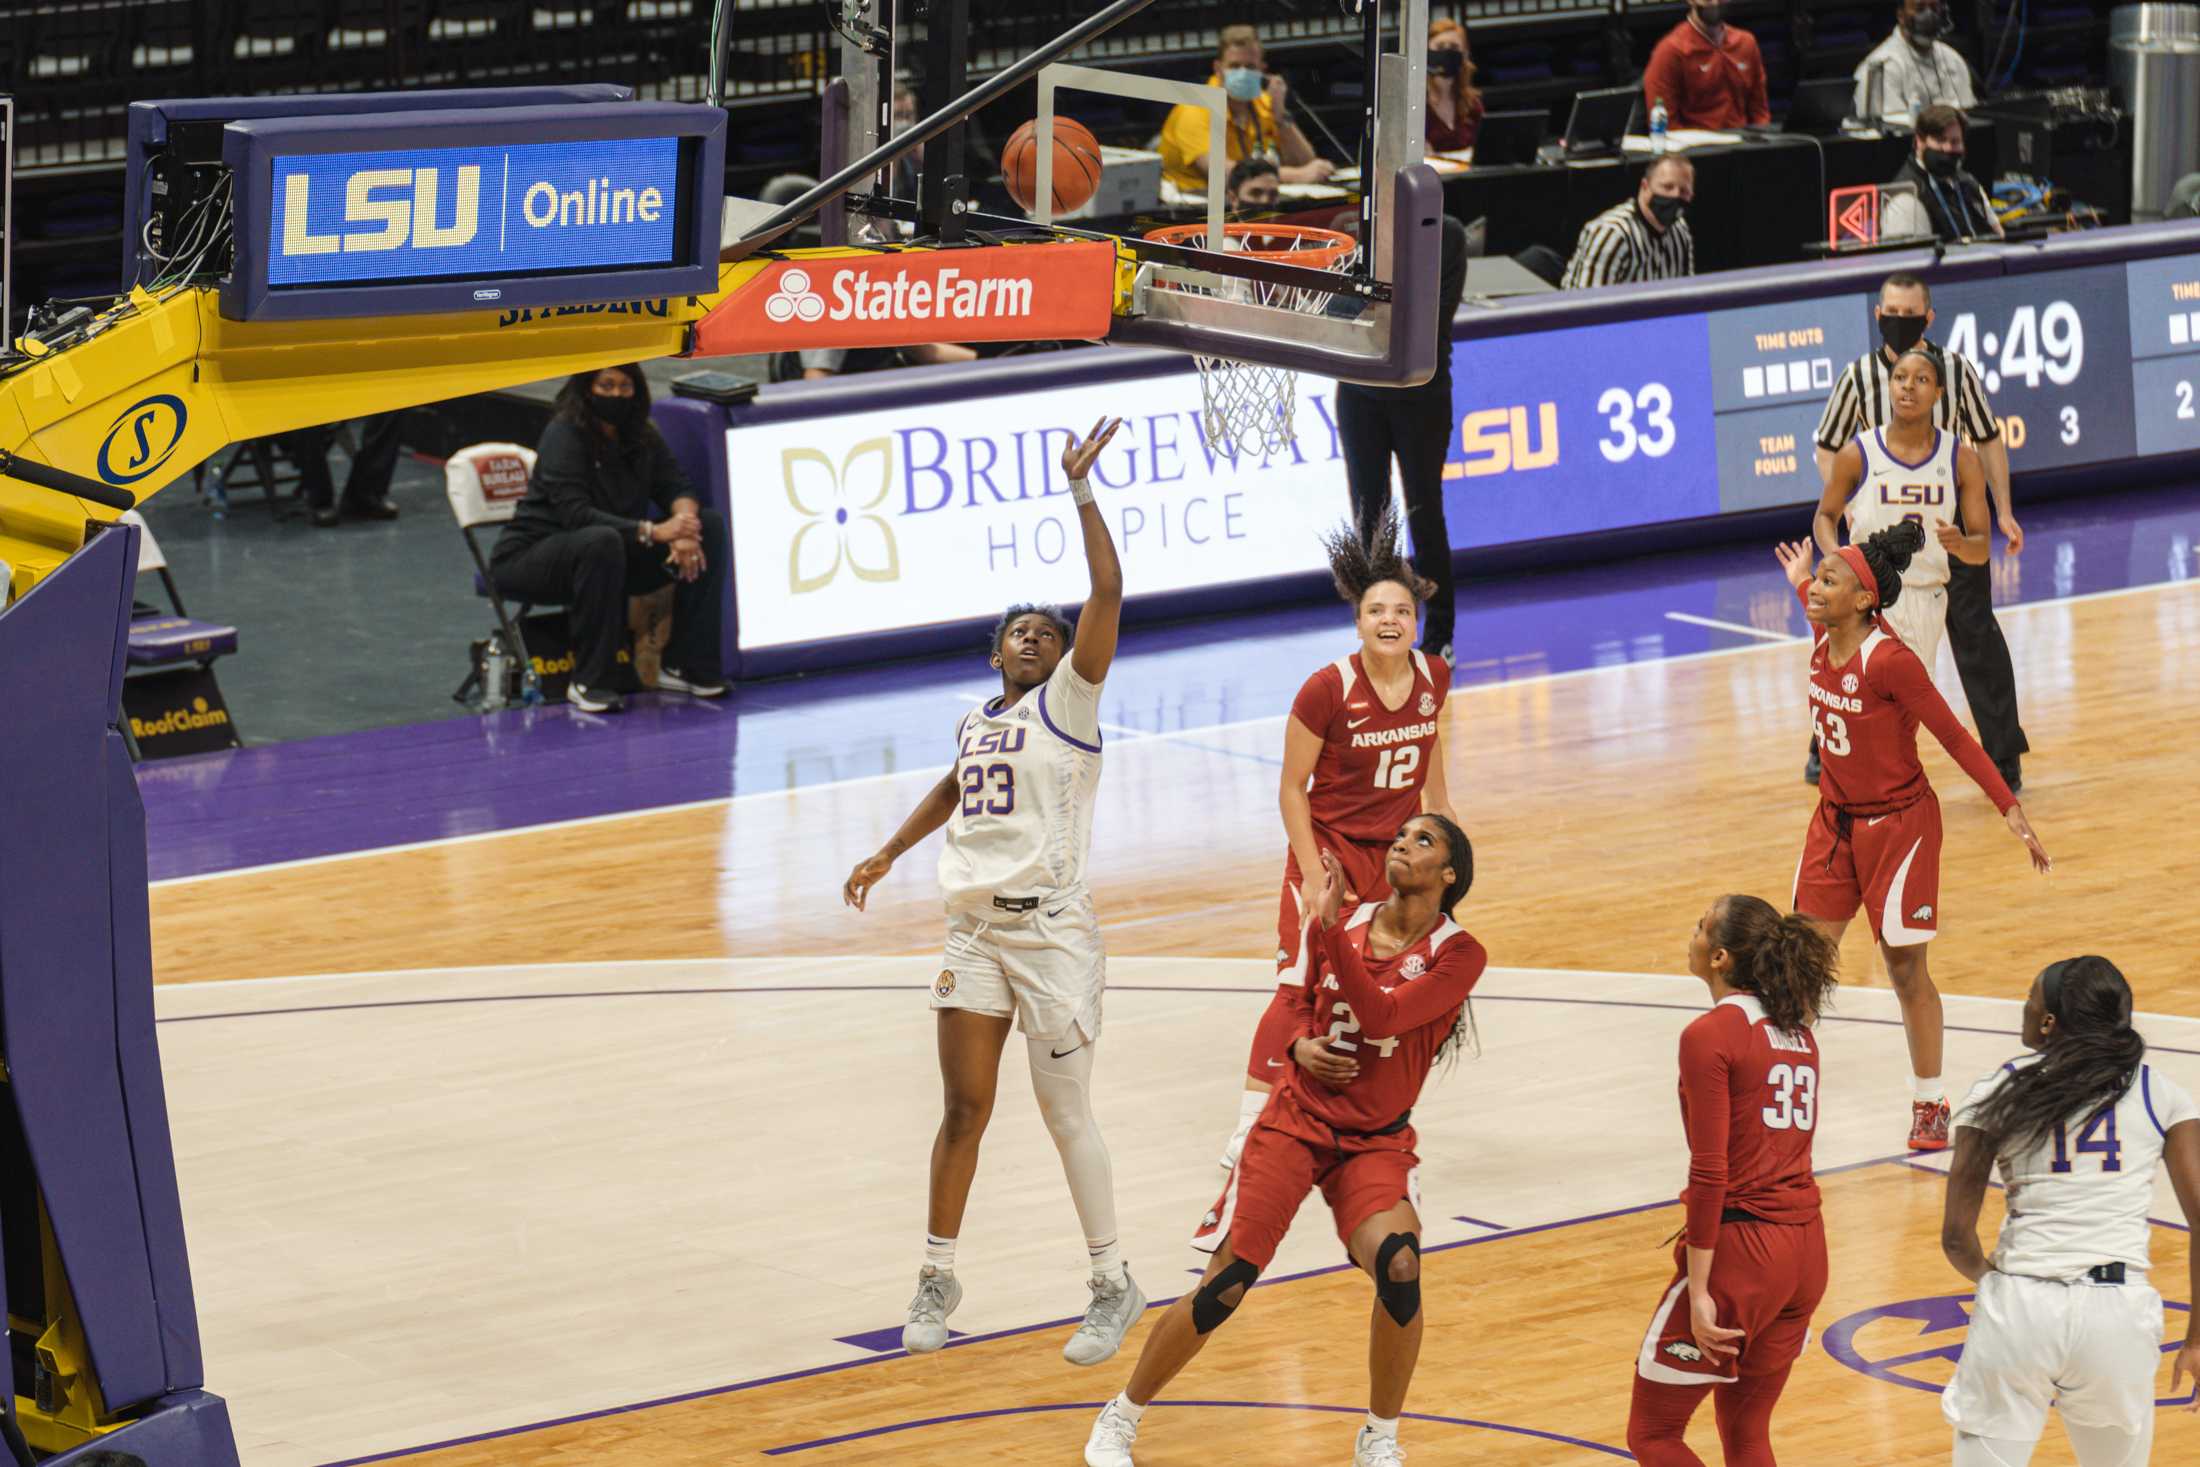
1293	244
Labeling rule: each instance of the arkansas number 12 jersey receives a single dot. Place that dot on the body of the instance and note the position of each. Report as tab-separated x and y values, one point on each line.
1374	760
1025	774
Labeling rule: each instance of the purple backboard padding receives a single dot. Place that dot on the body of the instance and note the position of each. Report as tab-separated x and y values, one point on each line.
148	125
188	1429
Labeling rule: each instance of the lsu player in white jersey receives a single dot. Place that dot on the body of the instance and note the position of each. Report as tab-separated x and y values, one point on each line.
2065	1314
1023	942
1910	470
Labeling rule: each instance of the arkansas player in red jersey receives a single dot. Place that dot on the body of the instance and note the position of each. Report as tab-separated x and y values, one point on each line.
1386	998
1361	756
1875	839
1751	1265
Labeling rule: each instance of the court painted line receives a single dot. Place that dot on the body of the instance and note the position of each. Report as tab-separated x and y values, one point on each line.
854	781
1731	626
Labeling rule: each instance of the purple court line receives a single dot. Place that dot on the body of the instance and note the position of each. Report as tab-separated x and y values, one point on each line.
1493	1227
1549	1436
837	1366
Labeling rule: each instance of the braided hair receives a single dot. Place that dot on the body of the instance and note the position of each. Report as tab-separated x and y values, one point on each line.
2086	1065
1786	962
1888	553
1460	857
1357	566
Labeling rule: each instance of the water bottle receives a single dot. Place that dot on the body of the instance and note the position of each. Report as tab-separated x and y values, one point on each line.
495	674
1657	126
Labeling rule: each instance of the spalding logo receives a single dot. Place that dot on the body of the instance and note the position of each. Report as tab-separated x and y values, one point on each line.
142	439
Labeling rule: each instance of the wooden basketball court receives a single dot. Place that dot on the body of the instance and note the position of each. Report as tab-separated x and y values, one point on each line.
626	1120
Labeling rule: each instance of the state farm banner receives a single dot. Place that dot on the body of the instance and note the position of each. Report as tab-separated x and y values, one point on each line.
1040	292
904	517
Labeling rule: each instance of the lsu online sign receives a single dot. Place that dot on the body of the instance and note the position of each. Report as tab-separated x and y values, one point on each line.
907	517
525	209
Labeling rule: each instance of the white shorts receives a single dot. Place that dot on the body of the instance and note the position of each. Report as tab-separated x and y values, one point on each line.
2089	1350
1046	966
1919	617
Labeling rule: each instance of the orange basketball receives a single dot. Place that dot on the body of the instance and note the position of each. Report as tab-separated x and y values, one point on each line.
1076	164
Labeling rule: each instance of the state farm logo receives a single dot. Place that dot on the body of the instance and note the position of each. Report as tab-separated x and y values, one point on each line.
794	299
838	504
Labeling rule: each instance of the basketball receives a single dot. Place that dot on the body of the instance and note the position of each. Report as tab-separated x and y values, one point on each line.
1076	164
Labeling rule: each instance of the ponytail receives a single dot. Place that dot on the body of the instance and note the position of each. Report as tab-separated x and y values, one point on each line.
1888	552
2087	1065
1786	962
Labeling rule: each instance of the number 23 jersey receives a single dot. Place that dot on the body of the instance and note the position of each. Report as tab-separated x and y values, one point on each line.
1374	760
1025	777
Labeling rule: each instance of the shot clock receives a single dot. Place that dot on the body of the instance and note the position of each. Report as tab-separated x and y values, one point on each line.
2053	350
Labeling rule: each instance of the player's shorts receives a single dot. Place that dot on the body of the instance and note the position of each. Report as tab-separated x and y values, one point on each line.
1919	617
1276	1170
1046	966
1363	873
1766	1279
1890	864
2090	1350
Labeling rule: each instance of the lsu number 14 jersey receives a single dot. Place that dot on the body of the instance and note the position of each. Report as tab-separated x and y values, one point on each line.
1025	774
1893	490
1374	759
1749	1103
2081	1196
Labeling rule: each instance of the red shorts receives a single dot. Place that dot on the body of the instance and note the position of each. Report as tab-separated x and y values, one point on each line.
1276	1171
1888	863
1766	1279
1363	873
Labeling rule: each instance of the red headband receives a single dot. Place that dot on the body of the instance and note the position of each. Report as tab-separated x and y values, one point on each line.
1855	558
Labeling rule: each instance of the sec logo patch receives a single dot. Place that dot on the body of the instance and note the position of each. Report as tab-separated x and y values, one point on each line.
1413	967
1848	682
1428	704
944	985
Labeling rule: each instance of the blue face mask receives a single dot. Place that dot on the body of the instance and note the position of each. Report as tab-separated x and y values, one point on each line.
1242	82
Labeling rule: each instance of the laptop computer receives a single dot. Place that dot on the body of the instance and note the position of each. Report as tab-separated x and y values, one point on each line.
1821	105
1600	120
1509	137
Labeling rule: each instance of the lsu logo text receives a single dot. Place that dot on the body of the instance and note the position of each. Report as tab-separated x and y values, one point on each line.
1499	439
399	206
142	439
1913	493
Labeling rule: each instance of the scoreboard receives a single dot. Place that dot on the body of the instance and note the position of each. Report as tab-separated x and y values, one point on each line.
1631	423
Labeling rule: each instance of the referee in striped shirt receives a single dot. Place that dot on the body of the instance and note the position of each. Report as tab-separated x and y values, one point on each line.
1644	238
1858	404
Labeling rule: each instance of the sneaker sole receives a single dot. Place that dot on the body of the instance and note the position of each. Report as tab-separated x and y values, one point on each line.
1928	1146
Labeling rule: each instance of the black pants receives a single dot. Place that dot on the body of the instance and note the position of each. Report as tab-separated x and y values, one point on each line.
380	439
1374	423
1982	661
591	572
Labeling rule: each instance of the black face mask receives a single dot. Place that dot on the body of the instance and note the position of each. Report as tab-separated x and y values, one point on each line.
1943	165
1666	209
1446	62
623	413
1901	332
1709	16
1928	25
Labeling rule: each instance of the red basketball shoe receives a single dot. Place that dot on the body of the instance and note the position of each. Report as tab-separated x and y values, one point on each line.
1928	1125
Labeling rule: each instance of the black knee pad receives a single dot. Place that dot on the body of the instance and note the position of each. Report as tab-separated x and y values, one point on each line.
1400	1300
1208	1306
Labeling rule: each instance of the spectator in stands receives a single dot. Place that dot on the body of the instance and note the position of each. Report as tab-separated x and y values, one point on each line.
366	488
587	536
816	363
1253	188
1259	124
1938	197
1644	238
1708	73
1454	111
1916	68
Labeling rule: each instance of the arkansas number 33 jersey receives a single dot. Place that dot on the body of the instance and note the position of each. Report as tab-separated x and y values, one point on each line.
1374	760
1025	775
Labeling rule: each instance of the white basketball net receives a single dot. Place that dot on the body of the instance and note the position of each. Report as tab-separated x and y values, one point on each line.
1248	407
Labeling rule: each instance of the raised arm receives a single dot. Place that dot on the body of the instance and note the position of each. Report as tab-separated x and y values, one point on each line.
1437	992
1975	548
2181	1151
931	813
1102	615
1844	473
1969	1169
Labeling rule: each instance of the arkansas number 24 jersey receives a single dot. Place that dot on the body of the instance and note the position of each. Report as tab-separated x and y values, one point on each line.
1374	760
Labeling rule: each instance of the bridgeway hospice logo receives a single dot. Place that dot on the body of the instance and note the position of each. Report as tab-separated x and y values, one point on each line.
794	299
837	503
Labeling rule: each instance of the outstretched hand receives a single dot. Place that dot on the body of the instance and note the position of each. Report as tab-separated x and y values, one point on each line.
2022	829
1080	455
1795	560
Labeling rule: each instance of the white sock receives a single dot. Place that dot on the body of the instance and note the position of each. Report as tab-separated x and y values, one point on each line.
1382	1426
1128	1409
939	1253
1927	1090
1107	1258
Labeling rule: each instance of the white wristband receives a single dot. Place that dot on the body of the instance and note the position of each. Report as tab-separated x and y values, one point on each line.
1081	490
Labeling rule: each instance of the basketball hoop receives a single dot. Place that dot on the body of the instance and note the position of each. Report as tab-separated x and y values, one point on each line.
1249	405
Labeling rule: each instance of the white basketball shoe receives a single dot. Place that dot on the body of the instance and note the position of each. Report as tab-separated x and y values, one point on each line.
937	1295
1372	1449
1113	1436
1115	1308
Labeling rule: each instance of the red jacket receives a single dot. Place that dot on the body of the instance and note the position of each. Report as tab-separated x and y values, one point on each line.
1703	85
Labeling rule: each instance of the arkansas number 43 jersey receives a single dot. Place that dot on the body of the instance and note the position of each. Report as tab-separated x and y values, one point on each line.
1374	760
1025	773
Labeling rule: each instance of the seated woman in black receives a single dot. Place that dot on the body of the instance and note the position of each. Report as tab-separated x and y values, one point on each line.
587	536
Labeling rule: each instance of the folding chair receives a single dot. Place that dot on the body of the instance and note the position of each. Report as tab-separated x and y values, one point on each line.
485	483
162	641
